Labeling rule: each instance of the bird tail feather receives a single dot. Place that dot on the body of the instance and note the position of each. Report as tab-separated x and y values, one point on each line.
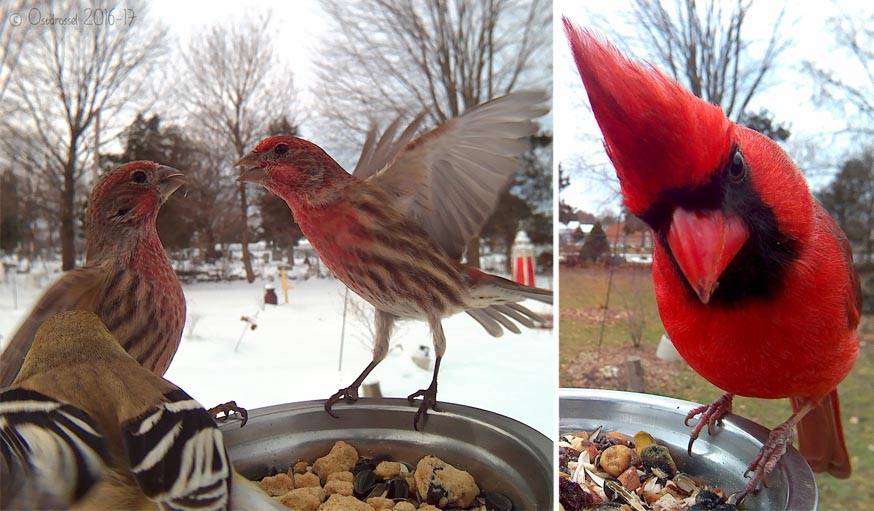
821	437
495	303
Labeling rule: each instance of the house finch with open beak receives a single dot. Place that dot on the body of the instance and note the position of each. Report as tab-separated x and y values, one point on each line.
754	280
84	426
394	231
127	279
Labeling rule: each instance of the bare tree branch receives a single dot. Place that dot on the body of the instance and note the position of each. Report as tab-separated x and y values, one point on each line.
390	57
854	36
705	48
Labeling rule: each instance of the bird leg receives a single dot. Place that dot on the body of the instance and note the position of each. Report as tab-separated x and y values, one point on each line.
383	323
429	398
773	450
350	393
228	409
711	415
429	395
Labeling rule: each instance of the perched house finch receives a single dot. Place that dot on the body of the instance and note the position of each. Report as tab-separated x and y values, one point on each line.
395	230
754	280
85	426
127	279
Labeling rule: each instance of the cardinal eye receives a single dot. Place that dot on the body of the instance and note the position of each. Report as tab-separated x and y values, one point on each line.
138	177
737	170
280	149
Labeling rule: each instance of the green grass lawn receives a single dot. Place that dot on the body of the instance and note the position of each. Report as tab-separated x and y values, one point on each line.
586	289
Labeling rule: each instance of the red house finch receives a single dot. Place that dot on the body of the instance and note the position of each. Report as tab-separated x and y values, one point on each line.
127	279
754	280
394	231
86	426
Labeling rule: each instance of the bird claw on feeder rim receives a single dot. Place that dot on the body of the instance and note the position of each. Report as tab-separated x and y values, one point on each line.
229	409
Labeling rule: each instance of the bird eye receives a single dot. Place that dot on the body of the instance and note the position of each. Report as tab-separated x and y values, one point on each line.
737	171
138	177
280	149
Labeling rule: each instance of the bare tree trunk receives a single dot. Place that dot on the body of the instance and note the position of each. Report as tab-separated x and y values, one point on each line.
209	252
472	252
68	194
244	217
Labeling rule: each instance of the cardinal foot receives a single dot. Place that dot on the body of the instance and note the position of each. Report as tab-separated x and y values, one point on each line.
349	395
711	415
228	409
767	459
429	400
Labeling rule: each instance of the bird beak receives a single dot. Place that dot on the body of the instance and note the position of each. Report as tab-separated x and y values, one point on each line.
169	180
703	243
251	170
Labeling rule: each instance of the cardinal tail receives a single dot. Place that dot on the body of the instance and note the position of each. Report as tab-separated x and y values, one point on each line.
821	437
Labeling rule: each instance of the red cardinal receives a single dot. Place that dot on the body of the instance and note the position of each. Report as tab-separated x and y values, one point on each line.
127	279
754	280
394	231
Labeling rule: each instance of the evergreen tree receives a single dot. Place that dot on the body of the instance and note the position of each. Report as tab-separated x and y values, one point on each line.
146	140
596	246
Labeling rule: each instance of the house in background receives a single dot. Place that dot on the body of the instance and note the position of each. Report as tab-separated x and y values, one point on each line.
570	238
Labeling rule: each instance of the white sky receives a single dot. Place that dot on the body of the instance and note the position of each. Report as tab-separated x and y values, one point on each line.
788	95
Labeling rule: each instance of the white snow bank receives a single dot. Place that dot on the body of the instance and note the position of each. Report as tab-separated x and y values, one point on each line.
293	353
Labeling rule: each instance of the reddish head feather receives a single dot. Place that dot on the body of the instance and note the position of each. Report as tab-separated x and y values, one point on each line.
658	135
119	176
293	143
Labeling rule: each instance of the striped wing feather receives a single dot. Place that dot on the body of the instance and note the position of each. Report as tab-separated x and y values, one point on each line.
178	457
76	289
52	453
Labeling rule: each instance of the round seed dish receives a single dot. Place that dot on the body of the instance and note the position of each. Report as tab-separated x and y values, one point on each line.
610	470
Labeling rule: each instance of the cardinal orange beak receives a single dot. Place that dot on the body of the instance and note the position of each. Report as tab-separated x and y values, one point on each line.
703	243
251	170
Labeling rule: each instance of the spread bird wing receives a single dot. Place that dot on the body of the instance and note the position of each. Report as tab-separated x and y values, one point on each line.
77	289
178	456
379	150
450	178
52	453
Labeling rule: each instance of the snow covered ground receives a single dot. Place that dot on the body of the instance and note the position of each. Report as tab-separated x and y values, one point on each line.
293	353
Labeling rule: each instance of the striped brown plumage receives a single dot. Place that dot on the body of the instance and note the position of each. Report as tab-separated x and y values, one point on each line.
127	279
394	231
140	443
387	259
